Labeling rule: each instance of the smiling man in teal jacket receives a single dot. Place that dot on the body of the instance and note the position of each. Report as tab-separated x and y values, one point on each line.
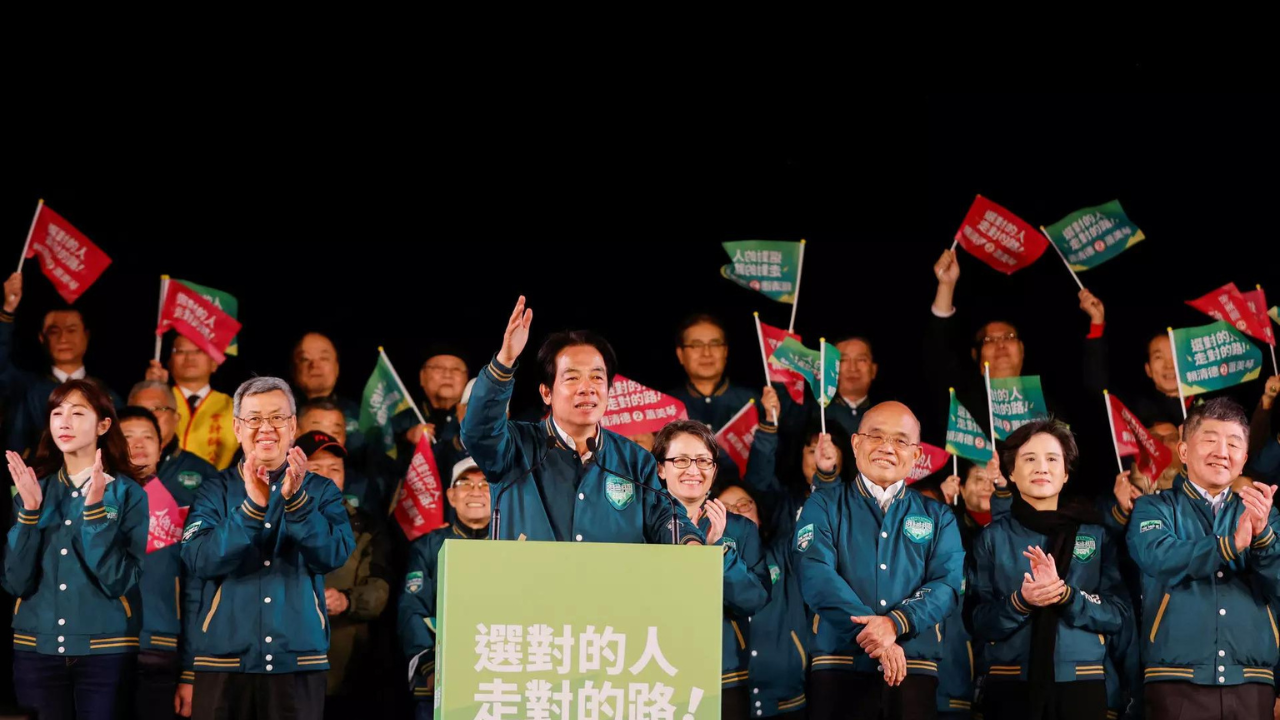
572	493
1209	561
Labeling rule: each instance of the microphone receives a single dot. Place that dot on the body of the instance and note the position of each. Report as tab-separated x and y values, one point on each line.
592	446
495	520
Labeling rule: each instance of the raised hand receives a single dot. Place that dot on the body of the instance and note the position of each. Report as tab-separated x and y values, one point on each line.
718	514
297	471
825	455
950	489
97	481
1258	500
255	480
770	404
517	334
1093	306
12	293
26	481
156	372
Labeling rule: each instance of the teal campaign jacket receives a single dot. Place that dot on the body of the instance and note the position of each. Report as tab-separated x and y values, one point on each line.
261	573
564	499
1206	618
746	590
1094	607
855	560
74	569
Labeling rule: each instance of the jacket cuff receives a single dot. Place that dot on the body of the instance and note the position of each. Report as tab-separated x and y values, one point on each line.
253	511
499	372
766	426
188	677
5	317
297	502
1066	596
1226	548
900	621
940	315
1020	603
1095	331
1264	540
28	517
95	512
1119	514
820	476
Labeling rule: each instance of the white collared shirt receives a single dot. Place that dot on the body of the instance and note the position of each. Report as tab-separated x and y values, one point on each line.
883	497
569	442
74	375
1215	503
202	393
853	404
82	477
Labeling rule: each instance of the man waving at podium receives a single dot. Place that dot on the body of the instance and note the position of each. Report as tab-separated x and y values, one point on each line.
565	478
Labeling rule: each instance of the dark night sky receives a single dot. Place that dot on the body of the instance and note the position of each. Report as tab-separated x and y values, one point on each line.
385	232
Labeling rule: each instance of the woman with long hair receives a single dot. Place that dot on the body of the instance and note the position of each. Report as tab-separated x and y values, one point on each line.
74	559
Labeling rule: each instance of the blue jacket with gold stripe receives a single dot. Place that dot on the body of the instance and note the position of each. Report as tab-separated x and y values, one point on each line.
782	630
564	499
856	560
261	572
1095	605
416	611
74	569
1206	616
746	590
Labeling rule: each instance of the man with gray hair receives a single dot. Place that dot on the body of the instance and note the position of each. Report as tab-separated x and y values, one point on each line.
259	544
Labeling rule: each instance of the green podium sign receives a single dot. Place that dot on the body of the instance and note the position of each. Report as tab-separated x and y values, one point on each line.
560	631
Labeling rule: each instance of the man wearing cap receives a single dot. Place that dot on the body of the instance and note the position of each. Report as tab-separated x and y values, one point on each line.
468	494
442	377
356	593
204	414
566	478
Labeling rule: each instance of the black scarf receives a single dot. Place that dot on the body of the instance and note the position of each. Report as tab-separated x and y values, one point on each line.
1059	527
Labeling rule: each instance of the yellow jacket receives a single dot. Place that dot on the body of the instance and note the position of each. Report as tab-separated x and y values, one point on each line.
211	433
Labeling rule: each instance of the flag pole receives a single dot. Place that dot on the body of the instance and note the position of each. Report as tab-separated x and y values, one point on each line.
164	287
955	470
1173	353
764	356
1106	400
22	258
795	299
750	403
822	381
1266	319
1064	257
408	398
991	412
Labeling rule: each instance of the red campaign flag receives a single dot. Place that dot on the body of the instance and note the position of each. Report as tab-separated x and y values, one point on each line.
420	502
167	519
1230	306
790	379
69	259
635	409
737	435
197	319
930	462
999	238
1125	441
1153	456
1257	303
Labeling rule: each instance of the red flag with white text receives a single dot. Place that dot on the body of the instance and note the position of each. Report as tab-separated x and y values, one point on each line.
68	258
420	502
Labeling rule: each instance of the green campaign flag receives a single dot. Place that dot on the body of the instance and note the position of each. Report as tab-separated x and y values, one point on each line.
224	301
1016	401
592	642
794	356
1214	356
771	267
383	398
1094	235
964	437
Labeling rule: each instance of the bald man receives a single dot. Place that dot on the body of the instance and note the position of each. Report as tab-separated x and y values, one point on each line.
881	565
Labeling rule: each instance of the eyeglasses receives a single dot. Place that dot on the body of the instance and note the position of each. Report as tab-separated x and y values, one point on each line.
163	408
445	370
683	463
993	339
480	485
897	444
713	346
276	421
742	507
